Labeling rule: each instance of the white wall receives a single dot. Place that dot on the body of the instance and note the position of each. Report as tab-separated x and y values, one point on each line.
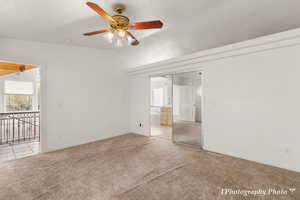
251	107
250	98
140	105
85	94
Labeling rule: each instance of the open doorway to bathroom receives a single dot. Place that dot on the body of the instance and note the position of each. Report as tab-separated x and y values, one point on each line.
161	106
20	98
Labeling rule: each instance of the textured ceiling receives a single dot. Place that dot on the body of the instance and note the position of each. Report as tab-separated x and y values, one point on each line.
190	26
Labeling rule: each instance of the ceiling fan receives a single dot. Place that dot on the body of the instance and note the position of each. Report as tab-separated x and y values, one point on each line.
7	68
119	25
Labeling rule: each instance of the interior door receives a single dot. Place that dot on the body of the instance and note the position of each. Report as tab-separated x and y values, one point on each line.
186	129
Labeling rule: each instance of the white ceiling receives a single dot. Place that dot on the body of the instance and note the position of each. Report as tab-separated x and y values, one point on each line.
190	26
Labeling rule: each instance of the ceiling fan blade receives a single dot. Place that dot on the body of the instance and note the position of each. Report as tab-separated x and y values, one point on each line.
133	41
101	12
146	25
96	32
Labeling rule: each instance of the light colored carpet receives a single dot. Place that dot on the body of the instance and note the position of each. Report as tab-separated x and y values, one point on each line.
184	132
161	131
187	132
133	167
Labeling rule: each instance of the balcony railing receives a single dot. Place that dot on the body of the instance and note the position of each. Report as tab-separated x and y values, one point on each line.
19	127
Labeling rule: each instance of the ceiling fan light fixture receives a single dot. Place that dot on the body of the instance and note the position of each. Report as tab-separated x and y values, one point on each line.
119	43
117	37
109	36
121	33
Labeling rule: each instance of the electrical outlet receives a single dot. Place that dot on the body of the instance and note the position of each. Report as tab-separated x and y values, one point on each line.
139	124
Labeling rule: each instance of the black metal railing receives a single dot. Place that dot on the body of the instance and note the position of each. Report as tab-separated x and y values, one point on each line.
19	127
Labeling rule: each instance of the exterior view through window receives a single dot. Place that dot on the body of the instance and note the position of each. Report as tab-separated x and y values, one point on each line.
16	102
18	96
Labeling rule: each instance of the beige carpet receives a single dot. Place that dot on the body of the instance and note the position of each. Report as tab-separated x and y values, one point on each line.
184	132
133	167
161	131
187	132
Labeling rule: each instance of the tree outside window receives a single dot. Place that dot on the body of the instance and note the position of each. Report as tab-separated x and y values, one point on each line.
18	103
18	96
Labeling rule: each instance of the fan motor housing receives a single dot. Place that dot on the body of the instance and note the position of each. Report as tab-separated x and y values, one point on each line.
122	22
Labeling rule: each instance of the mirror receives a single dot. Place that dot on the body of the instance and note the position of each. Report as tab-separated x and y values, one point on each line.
187	108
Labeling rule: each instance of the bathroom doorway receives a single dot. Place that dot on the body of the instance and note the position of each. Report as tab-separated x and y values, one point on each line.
161	106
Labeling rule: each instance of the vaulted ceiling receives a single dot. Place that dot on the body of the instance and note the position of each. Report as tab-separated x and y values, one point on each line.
190	26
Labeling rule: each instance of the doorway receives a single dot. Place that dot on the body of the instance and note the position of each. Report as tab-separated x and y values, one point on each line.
161	106
187	101
176	108
20	100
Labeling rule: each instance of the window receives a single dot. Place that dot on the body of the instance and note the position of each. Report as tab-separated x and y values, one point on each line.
15	102
18	87
18	95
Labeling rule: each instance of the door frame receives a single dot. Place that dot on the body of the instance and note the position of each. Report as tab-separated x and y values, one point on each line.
202	105
43	97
